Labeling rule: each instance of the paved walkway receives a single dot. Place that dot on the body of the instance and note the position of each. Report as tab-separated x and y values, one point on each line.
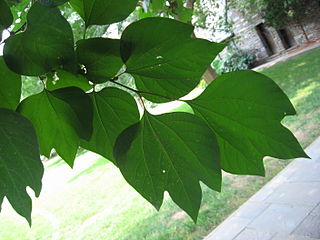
287	208
290	53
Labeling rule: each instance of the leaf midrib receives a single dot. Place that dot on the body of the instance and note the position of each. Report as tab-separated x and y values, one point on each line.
169	160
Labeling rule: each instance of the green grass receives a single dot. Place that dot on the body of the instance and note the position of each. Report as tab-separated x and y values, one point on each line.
93	201
299	77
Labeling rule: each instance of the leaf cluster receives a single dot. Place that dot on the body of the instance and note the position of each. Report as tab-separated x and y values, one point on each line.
235	122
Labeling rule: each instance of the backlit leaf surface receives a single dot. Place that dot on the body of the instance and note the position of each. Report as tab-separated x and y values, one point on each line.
66	116
102	12
170	152
163	58
113	111
245	110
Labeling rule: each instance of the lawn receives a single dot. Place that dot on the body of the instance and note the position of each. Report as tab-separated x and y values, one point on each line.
93	202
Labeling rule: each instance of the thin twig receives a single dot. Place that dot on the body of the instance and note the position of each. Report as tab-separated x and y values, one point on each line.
142	92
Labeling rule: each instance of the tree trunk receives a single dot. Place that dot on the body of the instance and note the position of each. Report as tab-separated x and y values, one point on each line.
304	32
210	73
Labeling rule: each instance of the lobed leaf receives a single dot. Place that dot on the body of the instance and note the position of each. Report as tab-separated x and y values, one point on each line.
245	110
170	152
60	117
46	45
20	164
163	58
113	111
10	87
102	12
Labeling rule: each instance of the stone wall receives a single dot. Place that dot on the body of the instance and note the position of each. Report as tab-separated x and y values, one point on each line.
247	37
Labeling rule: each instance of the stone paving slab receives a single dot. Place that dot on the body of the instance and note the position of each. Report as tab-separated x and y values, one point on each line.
296	193
309	227
250	210
230	229
252	234
280	218
286	208
316	211
280	236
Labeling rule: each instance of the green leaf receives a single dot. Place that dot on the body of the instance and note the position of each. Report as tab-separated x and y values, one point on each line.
163	58
244	109
184	14
61	117
113	111
46	45
6	17
10	87
170	152
52	3
102	12
158	5
20	164
63	79
19	11
101	58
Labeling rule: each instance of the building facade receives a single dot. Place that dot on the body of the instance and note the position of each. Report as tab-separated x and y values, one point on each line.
253	36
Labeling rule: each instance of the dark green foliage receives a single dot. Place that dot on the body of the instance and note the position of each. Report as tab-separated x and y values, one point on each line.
6	17
276	13
158	5
62	79
233	60
113	111
247	125
162	57
236	121
46	45
10	87
101	58
71	108
279	13
20	164
102	12
170	152
52	3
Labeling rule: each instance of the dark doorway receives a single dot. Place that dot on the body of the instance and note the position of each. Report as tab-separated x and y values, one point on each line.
266	39
286	38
